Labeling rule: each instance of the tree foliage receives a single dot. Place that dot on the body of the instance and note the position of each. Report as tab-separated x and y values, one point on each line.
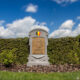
7	57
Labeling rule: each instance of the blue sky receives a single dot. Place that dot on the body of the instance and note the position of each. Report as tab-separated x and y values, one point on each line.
61	17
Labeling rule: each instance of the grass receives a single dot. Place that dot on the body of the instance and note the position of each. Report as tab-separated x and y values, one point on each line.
39	76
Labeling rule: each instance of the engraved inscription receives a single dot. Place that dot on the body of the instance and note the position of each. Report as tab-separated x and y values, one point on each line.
38	45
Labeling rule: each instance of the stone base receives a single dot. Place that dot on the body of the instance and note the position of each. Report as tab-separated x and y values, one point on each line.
38	60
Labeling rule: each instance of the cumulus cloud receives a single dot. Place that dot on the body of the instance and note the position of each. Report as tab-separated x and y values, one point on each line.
40	27
76	31
64	1
19	28
4	33
67	24
60	33
65	30
31	8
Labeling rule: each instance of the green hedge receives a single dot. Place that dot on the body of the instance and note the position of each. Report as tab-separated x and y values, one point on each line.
21	46
64	50
60	50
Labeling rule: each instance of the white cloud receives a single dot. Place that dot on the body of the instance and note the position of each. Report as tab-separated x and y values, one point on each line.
40	27
67	24
19	28
4	33
58	1
78	17
76	31
1	22
64	30
31	8
73	0
52	23
43	23
60	33
64	1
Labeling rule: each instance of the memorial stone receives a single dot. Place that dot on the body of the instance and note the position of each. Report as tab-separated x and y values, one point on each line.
38	41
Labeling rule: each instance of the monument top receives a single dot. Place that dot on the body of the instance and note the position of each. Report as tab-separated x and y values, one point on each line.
40	28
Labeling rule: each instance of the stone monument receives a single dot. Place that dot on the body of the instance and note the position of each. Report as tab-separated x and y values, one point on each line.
38	41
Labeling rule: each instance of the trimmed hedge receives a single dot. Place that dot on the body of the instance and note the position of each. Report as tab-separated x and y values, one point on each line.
21	46
64	50
60	50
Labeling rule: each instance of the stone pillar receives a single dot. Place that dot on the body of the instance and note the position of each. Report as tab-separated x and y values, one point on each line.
38	41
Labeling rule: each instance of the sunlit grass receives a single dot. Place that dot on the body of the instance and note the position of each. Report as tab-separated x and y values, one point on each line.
39	76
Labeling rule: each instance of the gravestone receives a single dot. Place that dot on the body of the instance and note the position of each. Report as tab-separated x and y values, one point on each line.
38	41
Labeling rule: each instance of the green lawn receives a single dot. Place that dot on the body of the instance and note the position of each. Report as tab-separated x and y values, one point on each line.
39	76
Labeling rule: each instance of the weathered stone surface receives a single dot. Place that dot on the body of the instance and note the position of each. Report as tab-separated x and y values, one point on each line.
38	48
38	45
